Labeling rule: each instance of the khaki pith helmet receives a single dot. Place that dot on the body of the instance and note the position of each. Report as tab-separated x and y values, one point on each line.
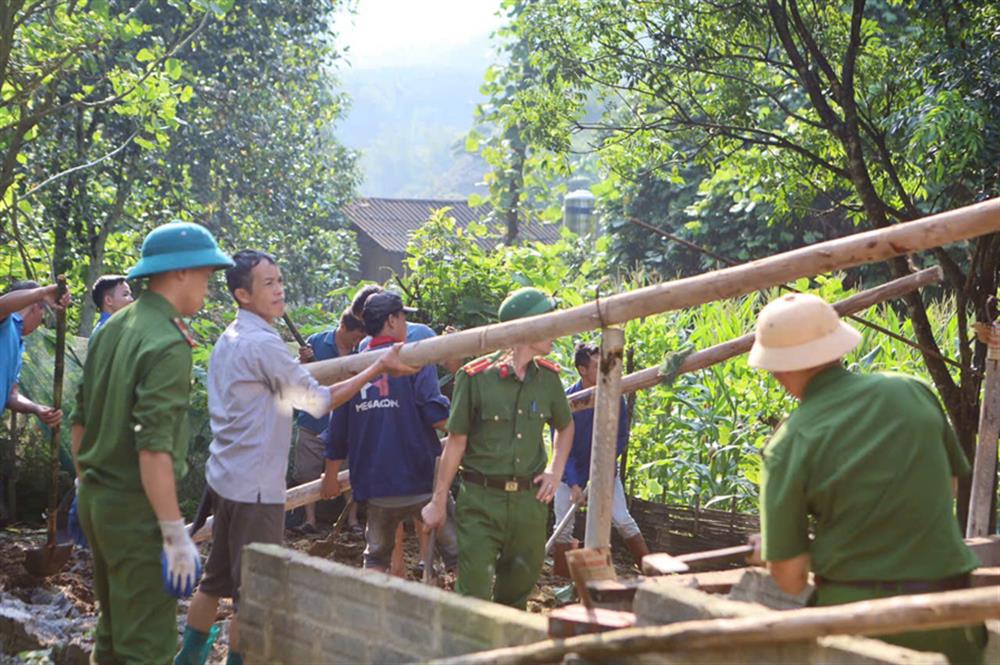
799	331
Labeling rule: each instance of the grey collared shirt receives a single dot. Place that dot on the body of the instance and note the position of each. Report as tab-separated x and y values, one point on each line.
254	384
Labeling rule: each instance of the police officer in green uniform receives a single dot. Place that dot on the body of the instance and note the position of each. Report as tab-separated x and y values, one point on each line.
872	460
499	406
130	439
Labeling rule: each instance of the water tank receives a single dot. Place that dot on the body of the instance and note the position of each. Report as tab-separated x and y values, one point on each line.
578	212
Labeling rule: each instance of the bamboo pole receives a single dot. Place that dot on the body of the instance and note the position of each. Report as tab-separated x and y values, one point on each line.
853	250
885	616
309	492
985	467
605	439
296	496
649	377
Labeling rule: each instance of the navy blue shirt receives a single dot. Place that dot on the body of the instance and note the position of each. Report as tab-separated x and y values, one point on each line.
387	433
324	346
577	470
11	349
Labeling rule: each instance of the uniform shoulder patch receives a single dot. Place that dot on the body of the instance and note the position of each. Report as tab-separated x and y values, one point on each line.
182	327
548	364
477	366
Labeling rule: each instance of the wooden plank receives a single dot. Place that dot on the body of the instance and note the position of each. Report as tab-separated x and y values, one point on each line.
604	441
984	472
574	620
858	249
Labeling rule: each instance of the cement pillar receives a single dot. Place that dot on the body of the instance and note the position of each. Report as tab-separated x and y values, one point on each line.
607	407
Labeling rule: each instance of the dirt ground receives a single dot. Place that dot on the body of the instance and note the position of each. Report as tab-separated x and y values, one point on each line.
67	600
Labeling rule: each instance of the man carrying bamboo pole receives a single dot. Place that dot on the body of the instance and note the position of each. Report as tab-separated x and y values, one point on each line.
388	428
872	459
254	384
501	403
587	359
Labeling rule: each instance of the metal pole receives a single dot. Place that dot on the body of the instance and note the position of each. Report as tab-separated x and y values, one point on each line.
985	468
602	452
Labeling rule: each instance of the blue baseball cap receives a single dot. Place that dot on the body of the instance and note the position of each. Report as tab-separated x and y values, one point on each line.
179	246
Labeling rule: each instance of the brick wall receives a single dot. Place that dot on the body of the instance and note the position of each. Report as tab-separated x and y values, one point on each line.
300	609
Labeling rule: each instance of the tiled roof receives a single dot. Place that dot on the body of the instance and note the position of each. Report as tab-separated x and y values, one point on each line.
390	222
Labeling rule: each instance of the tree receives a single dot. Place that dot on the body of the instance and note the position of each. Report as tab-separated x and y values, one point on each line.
887	110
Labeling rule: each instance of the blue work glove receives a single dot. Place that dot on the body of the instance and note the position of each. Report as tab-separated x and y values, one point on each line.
180	562
73	524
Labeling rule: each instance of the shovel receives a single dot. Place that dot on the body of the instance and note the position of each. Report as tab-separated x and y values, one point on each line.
50	559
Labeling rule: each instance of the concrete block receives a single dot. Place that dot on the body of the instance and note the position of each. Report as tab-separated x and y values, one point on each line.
993	644
420	636
523	629
254	627
476	619
383	654
453	644
341	647
314	605
757	586
264	575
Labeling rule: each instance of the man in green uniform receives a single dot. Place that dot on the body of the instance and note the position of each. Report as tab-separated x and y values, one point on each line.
130	439
499	406
872	460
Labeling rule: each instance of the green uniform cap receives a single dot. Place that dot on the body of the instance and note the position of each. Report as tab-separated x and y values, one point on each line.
179	246
527	301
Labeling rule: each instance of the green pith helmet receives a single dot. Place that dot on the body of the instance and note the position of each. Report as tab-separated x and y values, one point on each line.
527	301
179	246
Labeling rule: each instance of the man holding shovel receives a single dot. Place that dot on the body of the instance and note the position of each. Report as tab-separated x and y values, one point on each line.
387	433
501	404
872	459
587	359
130	438
254	384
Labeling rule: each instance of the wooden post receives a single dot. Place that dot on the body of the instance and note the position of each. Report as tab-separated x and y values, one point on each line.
985	468
629	411
899	239
602	447
649	377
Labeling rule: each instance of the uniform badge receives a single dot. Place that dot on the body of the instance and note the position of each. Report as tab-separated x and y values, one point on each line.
185	333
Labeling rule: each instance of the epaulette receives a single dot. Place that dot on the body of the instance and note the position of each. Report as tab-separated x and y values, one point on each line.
182	327
548	364
477	366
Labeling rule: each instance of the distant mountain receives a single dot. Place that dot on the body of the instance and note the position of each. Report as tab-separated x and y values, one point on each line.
409	123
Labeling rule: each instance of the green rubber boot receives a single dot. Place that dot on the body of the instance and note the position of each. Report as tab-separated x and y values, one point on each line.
196	647
234	659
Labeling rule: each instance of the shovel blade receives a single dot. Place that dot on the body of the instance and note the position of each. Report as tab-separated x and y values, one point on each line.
47	560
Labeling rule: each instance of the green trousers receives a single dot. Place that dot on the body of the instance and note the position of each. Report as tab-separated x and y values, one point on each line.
501	544
962	646
138	619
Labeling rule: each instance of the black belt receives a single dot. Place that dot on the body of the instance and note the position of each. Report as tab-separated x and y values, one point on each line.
901	586
505	483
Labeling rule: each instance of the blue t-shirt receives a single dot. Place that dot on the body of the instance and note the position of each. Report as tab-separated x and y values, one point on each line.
577	470
414	333
324	346
101	320
387	432
11	350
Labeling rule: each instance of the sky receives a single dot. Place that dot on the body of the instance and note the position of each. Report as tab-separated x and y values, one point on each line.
403	33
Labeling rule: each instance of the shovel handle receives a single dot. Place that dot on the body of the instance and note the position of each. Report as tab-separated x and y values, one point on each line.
295	331
57	391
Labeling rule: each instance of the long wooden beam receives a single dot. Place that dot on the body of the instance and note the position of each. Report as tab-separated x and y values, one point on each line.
649	377
854	250
885	616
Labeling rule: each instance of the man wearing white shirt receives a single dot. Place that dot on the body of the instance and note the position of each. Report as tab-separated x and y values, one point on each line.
254	384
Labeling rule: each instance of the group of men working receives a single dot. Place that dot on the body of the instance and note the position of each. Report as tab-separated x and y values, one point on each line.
869	458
